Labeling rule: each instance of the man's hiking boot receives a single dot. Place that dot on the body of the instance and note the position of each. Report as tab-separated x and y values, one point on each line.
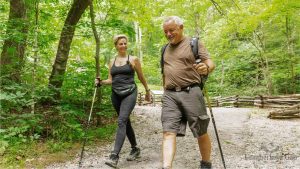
205	165
134	154
112	160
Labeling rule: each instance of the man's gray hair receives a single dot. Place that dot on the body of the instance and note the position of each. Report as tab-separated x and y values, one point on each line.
176	19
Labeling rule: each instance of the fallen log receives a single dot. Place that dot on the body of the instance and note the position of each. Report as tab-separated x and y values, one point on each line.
290	112
284	117
284	112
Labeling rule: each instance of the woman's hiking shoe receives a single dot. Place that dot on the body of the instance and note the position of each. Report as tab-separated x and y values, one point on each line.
205	165
134	154
112	160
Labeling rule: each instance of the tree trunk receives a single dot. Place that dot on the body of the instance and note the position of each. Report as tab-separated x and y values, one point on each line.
59	66
268	78
140	45
197	26
12	56
290	53
223	73
138	41
97	58
97	39
258	43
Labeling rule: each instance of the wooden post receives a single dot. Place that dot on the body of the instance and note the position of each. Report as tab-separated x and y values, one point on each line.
154	99
140	99
236	102
261	101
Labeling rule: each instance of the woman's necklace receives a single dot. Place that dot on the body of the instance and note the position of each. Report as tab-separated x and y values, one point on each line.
121	60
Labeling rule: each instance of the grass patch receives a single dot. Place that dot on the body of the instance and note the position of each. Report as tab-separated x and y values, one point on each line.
38	154
106	132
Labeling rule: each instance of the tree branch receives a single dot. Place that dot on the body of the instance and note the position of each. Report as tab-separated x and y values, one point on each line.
218	7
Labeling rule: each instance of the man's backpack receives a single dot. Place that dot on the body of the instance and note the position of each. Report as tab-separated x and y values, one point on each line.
194	47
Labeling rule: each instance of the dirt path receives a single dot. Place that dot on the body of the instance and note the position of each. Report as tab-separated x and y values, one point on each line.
248	138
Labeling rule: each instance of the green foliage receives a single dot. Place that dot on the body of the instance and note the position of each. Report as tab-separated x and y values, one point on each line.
64	124
55	146
14	97
255	45
79	80
105	132
151	69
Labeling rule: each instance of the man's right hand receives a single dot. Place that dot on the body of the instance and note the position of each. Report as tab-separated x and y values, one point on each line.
98	82
202	68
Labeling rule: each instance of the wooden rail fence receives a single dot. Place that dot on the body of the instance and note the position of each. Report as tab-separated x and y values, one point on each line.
286	106
155	98
261	101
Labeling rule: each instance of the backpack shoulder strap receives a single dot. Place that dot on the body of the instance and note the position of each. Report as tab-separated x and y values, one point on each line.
194	46
163	49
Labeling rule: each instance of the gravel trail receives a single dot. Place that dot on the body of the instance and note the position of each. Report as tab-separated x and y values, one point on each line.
248	138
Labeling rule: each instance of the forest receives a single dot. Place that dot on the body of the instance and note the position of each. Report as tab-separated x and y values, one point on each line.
51	52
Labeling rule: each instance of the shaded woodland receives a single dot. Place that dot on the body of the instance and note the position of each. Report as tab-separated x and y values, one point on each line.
51	51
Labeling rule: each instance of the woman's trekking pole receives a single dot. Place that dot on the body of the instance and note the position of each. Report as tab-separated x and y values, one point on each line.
88	124
214	124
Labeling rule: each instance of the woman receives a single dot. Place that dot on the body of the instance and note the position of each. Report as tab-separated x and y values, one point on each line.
124	94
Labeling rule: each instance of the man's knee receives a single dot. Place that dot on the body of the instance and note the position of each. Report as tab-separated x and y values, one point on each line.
169	135
203	137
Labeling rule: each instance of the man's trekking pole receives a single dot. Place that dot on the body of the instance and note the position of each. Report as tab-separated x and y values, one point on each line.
214	124
88	124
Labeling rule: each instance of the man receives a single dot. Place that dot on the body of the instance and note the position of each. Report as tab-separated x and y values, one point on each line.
183	100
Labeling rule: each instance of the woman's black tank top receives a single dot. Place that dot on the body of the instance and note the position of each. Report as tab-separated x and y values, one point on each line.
122	75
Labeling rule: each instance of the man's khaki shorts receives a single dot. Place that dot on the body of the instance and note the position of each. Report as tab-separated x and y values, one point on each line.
178	108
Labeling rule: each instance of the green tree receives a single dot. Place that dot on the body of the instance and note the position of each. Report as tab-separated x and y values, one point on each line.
59	66
12	56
